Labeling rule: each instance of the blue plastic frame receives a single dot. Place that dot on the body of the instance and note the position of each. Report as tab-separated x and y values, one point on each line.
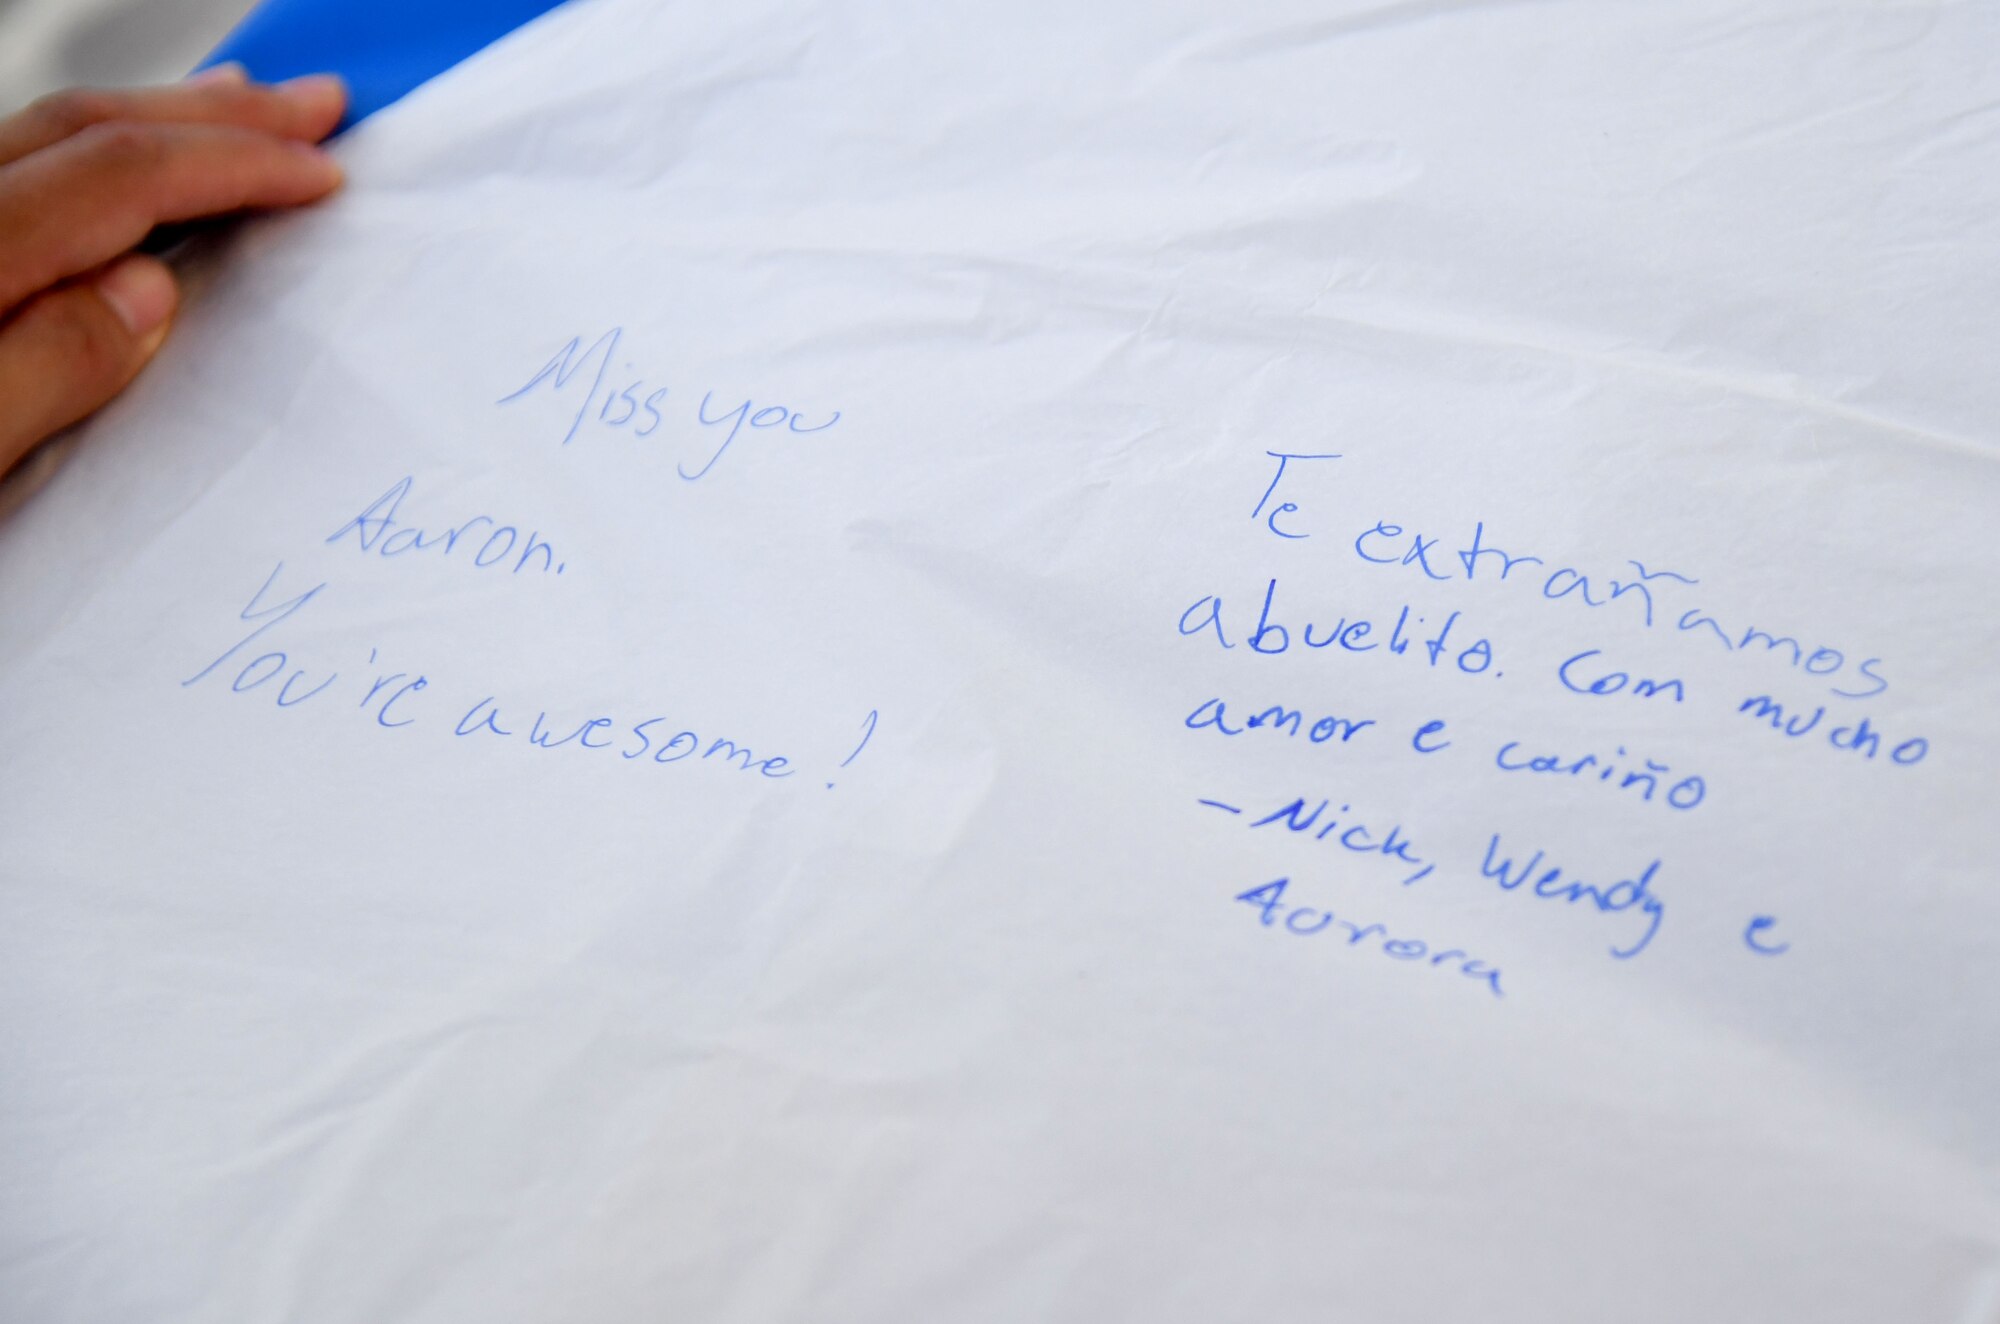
383	48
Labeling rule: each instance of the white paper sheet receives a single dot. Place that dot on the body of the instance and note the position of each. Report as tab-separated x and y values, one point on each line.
1103	876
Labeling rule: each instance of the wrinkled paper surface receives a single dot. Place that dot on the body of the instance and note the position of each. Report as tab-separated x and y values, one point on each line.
1150	661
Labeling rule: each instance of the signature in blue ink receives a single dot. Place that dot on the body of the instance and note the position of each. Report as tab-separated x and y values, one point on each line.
1552	885
1306	922
1343	831
378	531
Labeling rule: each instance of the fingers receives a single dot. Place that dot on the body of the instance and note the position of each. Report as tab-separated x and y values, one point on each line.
305	108
76	346
79	203
84	175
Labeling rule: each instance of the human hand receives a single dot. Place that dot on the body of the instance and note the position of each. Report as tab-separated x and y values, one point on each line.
84	176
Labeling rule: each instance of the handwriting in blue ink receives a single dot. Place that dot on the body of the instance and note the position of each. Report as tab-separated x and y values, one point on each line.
1213	714
633	403
1272	635
378	531
1642	781
1552	885
1856	737
1307	922
1340	828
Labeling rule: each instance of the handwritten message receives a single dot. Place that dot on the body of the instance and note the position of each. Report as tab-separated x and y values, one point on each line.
1808	692
401	525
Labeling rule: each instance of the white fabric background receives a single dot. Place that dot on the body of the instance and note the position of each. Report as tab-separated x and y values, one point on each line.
308	1019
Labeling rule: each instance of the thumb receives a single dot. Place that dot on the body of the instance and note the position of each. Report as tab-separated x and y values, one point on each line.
72	348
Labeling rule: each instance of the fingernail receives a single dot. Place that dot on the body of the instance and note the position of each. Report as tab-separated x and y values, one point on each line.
318	90
141	291
322	161
229	71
